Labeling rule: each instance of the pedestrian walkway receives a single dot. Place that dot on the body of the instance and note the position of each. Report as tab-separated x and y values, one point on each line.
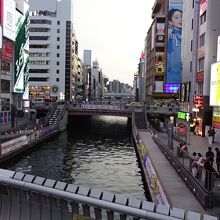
179	194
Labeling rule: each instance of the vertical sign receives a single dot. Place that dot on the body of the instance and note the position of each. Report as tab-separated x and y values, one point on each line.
174	41
218	50
8	19
21	51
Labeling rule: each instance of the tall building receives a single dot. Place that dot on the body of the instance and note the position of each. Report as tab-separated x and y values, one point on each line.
198	53
97	82
163	52
53	52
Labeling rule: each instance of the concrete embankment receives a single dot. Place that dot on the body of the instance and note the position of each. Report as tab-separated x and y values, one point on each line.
165	185
17	145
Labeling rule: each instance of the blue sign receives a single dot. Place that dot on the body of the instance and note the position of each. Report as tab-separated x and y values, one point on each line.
174	41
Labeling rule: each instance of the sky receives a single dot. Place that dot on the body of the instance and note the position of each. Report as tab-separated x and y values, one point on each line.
114	30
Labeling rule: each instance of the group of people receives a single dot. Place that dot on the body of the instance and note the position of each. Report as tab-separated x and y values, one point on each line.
201	163
211	135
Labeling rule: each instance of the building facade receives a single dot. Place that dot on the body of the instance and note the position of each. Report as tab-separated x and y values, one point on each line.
53	53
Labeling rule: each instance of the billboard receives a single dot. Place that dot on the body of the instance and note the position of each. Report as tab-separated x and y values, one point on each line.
21	52
203	6
7	51
215	85
8	18
174	41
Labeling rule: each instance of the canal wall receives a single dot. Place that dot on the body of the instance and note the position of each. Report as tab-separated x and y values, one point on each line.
150	176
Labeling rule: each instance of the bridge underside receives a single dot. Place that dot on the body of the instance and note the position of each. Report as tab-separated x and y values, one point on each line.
100	112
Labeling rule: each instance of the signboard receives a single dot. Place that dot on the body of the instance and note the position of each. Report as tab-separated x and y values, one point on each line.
185	116
21	52
172	87
5	117
215	85
160	65
185	92
12	145
198	101
7	51
8	19
200	76
174	41
218	50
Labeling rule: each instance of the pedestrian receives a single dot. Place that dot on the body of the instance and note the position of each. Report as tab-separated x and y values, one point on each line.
209	154
217	158
213	134
209	173
210	136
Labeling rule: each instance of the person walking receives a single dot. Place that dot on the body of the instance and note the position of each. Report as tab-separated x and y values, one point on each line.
209	154
213	134
217	158
210	136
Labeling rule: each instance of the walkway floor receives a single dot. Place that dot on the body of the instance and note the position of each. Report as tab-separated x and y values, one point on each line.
180	195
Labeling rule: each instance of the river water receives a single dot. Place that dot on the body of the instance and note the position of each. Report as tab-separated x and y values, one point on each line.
95	152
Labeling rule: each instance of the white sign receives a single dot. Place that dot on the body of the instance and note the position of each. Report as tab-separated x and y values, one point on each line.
12	145
9	19
218	50
215	85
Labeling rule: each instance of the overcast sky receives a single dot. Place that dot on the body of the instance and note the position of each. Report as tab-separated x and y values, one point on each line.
113	29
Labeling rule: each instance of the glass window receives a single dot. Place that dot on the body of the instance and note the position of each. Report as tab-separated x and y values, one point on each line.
201	64
57	79
202	40
58	22
58	39
58	63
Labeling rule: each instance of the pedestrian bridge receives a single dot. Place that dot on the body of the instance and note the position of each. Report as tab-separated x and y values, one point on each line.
28	197
100	109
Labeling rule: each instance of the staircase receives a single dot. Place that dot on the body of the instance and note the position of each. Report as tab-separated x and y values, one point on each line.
54	117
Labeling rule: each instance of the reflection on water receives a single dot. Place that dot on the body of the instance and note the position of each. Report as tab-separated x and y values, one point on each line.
95	152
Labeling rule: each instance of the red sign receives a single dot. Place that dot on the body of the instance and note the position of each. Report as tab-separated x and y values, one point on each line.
198	101
181	129
7	51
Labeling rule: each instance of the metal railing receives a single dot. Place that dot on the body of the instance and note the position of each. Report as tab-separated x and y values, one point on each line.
24	195
201	185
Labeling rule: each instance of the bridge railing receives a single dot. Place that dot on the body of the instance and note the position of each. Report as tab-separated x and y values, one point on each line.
26	195
165	110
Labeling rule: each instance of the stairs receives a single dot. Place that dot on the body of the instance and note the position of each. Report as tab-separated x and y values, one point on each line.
54	117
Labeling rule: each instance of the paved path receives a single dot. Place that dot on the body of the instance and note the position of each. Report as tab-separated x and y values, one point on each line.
180	195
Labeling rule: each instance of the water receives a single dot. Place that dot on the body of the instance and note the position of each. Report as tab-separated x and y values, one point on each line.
95	152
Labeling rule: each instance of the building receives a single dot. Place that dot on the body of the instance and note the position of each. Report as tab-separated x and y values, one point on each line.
198	53
13	59
53	53
162	63
97	82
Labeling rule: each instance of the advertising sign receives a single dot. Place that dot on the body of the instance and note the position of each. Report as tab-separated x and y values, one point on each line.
21	51
1	37
198	101
218	50
5	118
185	92
12	145
185	116
172	87
160	65
7	51
8	19
215	85
174	41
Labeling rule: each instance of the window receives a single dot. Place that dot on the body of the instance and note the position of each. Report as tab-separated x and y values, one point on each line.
201	64
200	88
58	55
58	39
58	63
58	71
192	25
190	67
192	3
5	86
58	22
57	79
38	37
202	40
159	49
58	46
203	18
58	30
191	46
5	67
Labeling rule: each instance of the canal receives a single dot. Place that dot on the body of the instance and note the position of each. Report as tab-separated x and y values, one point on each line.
95	152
